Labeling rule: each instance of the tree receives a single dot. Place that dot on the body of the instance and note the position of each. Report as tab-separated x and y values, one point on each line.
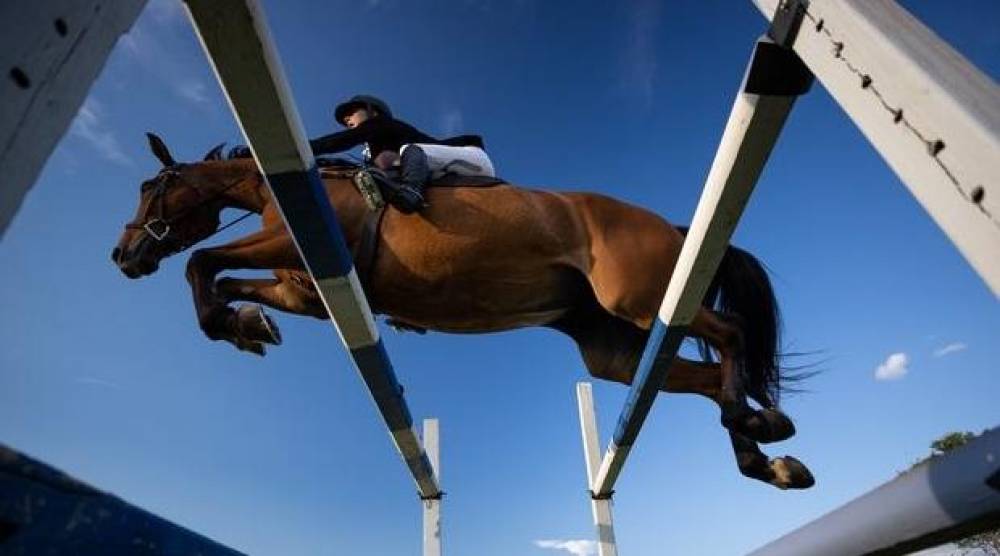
987	542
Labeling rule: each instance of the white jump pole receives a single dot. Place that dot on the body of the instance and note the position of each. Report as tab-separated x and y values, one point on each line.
757	116
949	497
932	115
773	79
235	35
51	53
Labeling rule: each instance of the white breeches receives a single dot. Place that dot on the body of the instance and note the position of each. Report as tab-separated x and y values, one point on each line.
465	161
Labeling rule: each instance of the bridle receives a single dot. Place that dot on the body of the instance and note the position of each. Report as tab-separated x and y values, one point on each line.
159	226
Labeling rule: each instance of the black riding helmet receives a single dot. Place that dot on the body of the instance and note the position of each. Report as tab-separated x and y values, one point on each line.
368	102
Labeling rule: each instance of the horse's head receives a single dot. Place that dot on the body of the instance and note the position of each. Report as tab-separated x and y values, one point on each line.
177	208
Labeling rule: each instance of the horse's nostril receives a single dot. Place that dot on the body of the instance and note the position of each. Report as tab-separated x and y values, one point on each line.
116	254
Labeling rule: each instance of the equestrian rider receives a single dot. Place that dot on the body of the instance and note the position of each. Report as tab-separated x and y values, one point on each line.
391	143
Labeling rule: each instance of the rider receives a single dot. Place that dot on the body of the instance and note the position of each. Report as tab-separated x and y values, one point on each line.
391	143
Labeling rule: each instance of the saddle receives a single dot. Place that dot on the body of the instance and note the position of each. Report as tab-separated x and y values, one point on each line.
377	187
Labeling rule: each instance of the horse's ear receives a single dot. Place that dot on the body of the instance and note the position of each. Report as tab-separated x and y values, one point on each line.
160	150
215	153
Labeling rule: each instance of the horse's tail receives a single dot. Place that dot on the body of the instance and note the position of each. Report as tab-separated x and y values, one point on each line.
741	286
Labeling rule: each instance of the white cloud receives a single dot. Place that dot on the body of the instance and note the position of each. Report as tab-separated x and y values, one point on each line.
89	126
130	42
165	11
574	547
893	368
195	91
91	381
641	61
451	121
147	43
950	348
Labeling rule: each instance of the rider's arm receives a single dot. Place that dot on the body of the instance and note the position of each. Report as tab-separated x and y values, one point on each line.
347	139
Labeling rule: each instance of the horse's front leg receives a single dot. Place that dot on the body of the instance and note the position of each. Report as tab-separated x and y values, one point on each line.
247	328
278	293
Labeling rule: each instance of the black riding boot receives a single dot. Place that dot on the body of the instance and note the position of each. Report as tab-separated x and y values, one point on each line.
414	175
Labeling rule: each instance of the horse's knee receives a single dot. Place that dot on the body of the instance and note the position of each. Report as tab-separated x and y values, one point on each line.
198	263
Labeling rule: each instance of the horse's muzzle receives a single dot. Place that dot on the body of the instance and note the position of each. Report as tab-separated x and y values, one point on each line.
135	263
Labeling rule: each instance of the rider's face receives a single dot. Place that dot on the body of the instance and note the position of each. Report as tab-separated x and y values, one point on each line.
357	118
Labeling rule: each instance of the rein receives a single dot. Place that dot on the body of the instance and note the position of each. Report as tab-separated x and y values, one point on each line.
159	226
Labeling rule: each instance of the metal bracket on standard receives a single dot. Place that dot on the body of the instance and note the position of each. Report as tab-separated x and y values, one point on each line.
993	481
607	496
775	69
786	21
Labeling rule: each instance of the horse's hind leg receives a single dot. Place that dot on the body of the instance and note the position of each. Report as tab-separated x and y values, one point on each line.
783	472
611	348
725	335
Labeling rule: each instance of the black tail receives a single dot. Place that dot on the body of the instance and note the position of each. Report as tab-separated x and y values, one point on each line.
741	286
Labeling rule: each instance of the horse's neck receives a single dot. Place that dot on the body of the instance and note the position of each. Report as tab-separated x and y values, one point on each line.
251	193
240	185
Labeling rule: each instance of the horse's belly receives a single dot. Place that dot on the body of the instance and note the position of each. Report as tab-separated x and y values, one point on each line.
481	303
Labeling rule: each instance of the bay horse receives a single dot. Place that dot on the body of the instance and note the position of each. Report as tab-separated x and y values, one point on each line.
483	260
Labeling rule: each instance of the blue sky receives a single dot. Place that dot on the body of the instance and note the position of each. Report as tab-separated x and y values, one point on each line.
111	380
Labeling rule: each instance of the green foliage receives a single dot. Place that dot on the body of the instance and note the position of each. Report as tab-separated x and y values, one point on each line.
988	542
949	442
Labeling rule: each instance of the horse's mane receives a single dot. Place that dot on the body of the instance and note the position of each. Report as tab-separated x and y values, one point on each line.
336	163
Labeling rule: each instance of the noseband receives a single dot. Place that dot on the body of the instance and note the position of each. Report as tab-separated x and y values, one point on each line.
159	226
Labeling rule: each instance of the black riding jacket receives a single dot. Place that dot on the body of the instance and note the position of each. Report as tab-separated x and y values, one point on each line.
381	134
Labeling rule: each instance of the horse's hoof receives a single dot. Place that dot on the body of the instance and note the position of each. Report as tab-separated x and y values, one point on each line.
254	325
790	473
255	348
764	426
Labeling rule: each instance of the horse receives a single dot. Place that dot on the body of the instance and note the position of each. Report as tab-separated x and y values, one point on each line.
480	260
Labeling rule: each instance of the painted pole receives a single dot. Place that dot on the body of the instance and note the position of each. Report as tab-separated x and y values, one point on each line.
756	119
45	511
51	52
238	42
235	36
944	499
932	115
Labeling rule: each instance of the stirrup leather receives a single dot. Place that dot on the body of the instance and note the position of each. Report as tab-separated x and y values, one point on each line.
369	190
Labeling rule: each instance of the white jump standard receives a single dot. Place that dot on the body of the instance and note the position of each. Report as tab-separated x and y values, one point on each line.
237	40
